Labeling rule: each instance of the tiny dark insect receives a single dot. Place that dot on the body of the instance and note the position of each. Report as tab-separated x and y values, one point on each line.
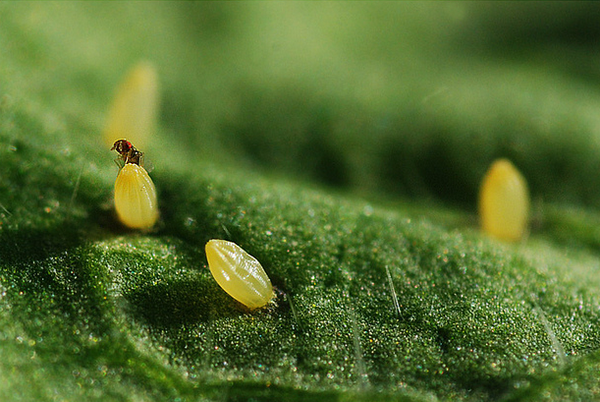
129	153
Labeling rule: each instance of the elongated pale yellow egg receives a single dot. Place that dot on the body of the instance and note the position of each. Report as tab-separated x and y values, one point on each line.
238	273
504	202
133	111
135	197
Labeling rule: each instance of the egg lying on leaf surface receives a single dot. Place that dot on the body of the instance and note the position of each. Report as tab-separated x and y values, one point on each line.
504	202
238	273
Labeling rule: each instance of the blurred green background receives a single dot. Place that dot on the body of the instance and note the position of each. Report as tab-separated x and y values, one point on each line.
342	144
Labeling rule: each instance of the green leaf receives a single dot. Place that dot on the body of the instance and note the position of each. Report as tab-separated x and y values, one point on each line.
342	145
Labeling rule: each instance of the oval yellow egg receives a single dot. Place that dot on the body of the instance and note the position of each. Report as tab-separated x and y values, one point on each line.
134	109
135	197
238	273
504	202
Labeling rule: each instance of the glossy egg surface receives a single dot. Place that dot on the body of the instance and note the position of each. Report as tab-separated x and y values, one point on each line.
504	202
135	197
238	273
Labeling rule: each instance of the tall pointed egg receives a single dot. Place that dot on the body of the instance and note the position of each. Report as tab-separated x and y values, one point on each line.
135	197
134	109
504	202
238	273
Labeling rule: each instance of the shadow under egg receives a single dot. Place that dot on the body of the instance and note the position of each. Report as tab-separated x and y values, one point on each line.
180	302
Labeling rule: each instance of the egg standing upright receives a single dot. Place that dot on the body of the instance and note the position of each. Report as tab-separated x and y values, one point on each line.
504	202
135	194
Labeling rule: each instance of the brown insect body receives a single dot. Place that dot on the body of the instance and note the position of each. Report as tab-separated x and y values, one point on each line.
128	152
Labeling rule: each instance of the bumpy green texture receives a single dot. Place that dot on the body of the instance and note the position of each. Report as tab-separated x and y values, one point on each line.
342	145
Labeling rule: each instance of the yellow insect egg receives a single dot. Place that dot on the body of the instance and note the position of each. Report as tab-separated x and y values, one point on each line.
133	111
135	195
238	273
504	202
